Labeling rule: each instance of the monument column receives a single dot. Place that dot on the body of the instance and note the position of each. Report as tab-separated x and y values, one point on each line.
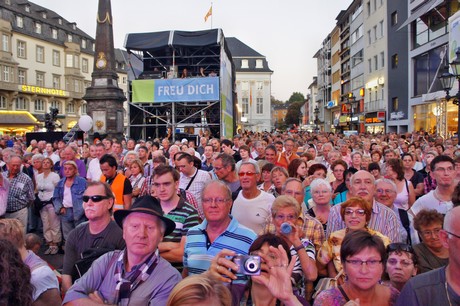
104	97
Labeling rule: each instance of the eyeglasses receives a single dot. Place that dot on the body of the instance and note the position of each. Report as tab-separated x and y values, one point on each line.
431	233
285	217
94	198
250	174
218	168
387	191
405	263
217	201
358	212
369	263
455	235
398	247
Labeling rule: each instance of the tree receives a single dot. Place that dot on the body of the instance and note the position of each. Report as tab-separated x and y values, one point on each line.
293	113
275	102
296	97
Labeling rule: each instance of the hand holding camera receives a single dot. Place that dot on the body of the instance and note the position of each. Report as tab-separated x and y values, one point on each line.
227	264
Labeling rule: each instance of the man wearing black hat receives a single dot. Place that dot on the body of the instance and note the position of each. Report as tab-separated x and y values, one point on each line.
136	275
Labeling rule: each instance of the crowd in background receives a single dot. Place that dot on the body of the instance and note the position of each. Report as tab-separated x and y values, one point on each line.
366	211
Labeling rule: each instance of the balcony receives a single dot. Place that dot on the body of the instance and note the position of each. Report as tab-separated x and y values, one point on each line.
376	105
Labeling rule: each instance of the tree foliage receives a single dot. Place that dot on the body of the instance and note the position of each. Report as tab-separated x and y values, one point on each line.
293	112
296	97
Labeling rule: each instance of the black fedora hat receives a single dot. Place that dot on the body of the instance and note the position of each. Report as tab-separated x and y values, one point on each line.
146	205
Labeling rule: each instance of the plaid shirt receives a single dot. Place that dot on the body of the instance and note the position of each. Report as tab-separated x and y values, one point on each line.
196	188
314	231
21	192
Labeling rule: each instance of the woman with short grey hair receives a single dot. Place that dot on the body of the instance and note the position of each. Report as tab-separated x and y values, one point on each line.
320	204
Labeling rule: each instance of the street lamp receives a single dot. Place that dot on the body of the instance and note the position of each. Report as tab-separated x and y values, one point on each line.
447	81
316	112
351	101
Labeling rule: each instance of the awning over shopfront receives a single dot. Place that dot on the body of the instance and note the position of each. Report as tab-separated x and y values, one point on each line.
17	122
423	9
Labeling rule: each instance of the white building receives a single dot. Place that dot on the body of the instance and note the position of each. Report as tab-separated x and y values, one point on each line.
253	86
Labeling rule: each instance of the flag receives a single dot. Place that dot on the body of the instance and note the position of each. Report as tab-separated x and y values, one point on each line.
250	96
208	14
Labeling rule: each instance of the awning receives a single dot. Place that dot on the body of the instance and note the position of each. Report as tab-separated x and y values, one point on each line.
17	119
420	11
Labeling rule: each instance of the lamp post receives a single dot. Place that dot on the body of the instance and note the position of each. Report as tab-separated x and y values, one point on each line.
351	100
447	81
316	112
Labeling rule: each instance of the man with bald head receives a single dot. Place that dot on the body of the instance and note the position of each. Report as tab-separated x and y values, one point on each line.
383	219
440	286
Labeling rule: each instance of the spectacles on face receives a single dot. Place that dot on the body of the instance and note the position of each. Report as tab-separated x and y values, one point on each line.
455	235
434	232
94	198
218	201
387	191
404	262
285	217
218	168
373	263
359	212
250	174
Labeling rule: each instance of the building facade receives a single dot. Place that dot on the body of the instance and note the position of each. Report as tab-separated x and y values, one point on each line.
253	87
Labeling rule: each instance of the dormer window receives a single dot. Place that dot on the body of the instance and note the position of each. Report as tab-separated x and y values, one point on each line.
259	63
27	8
8	2
74	26
244	63
19	21
44	15
83	43
38	28
69	38
60	20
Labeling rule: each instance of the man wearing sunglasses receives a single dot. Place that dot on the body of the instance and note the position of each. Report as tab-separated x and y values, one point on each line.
252	206
99	232
440	286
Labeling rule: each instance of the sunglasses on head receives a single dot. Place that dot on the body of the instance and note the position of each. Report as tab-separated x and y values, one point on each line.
94	198
399	247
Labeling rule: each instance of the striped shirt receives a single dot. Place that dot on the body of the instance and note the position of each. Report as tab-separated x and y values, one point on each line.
199	251
383	220
185	217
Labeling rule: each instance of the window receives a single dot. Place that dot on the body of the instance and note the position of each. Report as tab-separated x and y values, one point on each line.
40	79
394	18
395	104
124	80
260	85
39	105
21	103
83	108
375	32
38	28
376	62
40	54
369	64
244	85
56	81
22	51
76	85
2	102
357	58
259	63
84	65
44	15
19	21
27	8
394	61
7	73
70	108
56	58
72	61
5	43
368	5
22	76
382	59
60	20
83	43
260	106
382	30
69	38
54	33
245	105
369	37
244	63
56	104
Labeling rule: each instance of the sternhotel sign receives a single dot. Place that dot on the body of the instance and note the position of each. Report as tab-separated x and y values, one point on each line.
43	91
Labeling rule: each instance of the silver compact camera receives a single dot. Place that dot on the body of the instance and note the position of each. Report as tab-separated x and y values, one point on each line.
247	264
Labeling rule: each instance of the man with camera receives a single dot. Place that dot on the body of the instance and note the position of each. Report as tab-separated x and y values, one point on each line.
217	232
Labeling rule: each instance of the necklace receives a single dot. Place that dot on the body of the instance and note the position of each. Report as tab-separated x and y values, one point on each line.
447	293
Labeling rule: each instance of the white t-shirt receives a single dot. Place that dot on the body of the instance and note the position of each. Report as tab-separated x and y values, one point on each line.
94	170
67	199
254	213
429	201
45	186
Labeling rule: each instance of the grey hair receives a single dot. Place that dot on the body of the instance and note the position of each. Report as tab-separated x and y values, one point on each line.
387	181
320	182
255	165
291	179
227	192
38	157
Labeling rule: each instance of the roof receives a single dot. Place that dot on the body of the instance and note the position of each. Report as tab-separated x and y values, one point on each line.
240	51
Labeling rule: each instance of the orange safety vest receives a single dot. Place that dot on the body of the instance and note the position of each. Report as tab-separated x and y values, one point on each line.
117	187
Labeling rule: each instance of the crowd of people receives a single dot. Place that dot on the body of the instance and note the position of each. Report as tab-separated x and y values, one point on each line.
166	223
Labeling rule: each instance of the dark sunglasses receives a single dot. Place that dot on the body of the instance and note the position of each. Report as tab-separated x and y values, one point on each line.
94	198
398	247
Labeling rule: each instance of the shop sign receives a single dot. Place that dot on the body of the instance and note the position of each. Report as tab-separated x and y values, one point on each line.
331	104
343	119
373	120
397	115
43	91
381	116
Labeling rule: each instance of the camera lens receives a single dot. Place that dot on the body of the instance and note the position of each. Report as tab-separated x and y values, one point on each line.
251	265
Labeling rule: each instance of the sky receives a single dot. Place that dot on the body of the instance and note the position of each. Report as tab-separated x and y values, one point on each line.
287	32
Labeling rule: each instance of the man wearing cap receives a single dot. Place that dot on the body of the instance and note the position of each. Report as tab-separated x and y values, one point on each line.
136	275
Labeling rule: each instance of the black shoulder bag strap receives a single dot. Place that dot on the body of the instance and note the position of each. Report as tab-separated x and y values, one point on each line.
404	217
191	181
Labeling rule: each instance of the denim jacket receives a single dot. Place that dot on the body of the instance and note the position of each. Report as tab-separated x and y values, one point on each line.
77	190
